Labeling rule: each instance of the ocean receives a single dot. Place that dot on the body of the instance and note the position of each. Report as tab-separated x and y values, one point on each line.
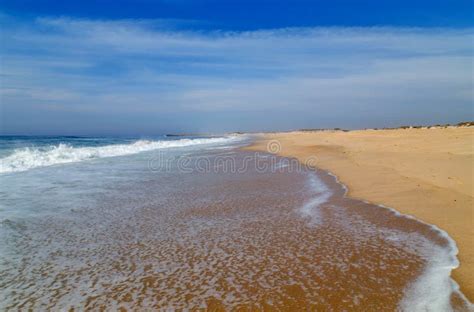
189	223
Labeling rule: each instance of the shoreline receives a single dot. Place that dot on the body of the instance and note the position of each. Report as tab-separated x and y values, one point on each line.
418	285
375	166
451	262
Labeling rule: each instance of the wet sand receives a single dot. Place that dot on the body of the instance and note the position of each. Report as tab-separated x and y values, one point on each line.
282	237
427	173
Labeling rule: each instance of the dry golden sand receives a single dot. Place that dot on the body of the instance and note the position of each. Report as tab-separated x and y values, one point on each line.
427	173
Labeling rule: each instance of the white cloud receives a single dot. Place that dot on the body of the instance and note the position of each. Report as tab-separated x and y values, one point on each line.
146	67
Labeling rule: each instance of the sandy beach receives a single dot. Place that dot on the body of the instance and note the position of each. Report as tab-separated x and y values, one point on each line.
424	172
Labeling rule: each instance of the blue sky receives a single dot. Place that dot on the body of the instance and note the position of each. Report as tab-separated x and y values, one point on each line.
150	67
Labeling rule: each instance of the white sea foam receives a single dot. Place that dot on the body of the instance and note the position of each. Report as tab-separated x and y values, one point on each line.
432	290
321	195
28	158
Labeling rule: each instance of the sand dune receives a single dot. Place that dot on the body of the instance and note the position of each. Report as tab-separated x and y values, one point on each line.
427	173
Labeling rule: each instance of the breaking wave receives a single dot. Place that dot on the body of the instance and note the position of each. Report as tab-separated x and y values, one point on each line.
26	158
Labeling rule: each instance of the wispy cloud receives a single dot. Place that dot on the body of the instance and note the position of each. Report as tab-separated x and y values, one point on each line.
272	79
